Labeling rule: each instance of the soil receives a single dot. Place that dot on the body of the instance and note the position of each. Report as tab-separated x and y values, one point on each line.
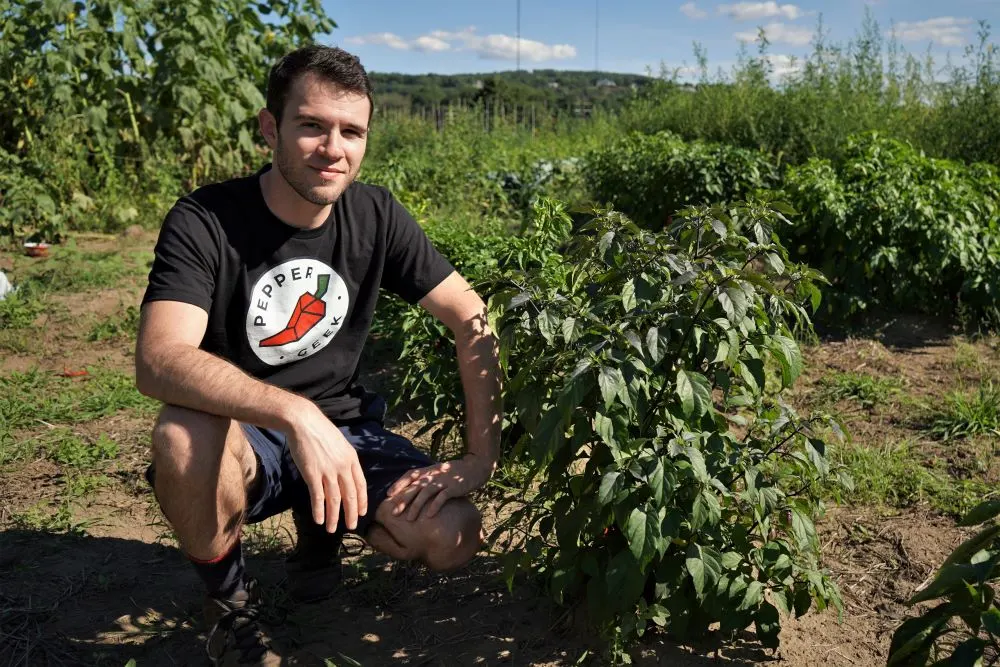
116	588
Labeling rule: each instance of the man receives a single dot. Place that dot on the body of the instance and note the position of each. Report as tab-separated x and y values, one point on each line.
259	301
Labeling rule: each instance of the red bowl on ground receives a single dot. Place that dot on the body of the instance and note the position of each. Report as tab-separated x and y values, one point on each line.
36	249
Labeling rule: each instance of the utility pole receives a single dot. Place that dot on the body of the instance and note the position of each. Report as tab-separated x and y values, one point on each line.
597	35
518	35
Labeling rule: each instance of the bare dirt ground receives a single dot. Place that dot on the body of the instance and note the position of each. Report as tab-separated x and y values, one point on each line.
108	585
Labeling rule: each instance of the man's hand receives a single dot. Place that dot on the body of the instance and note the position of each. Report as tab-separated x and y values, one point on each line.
330	468
428	489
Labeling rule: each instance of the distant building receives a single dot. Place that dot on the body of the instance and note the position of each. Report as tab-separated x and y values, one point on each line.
553	84
478	84
606	83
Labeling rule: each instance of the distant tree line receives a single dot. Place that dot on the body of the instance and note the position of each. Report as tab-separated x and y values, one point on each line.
544	89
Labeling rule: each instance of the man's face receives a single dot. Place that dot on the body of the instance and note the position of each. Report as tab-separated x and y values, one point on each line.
320	143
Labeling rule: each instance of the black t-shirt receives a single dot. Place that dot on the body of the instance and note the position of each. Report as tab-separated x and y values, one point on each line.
292	307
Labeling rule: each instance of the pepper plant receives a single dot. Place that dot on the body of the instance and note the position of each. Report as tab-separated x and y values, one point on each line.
964	628
671	483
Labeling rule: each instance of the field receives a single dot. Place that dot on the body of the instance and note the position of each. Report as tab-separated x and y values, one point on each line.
88	572
749	327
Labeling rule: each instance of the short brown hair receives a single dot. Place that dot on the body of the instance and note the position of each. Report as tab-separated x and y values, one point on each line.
328	62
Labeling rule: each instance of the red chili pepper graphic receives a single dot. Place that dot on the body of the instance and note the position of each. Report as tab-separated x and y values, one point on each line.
309	311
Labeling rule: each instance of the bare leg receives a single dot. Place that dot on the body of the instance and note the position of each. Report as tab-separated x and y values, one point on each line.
446	542
204	466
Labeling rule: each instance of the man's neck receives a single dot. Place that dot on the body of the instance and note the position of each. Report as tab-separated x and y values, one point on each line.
287	205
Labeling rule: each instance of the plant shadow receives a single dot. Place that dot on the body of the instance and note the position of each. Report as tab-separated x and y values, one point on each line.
70	599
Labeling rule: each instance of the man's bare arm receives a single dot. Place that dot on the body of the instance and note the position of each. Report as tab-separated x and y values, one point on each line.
169	366
463	311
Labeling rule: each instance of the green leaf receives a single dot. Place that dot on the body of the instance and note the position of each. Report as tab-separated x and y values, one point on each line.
643	532
656	351
789	356
804	530
912	640
548	325
604	427
695	393
991	621
628	295
752	372
731	560
697	459
768	624
734	303
705	510
982	512
754	596
952	578
704	569
610	484
571	329
973	545
968	654
548	435
612	384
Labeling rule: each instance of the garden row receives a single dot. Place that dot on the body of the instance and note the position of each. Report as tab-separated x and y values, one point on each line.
890	228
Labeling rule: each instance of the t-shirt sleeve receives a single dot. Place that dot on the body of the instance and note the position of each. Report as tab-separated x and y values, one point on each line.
413	266
187	256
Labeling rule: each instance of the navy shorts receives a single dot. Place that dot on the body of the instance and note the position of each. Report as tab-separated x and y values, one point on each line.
384	458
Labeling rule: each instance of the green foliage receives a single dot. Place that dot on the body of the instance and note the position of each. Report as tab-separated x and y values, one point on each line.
866	389
671	486
116	101
897	474
650	177
20	308
33	396
893	228
964	628
120	325
963	414
76	452
948	108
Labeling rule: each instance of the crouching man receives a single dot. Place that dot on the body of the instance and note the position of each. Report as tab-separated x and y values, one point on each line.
259	302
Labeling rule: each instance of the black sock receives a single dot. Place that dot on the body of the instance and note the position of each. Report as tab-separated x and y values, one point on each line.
223	576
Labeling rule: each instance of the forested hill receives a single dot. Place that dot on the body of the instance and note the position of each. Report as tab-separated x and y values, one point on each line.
548	88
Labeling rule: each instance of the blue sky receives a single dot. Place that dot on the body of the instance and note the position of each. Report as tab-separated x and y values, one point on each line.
453	36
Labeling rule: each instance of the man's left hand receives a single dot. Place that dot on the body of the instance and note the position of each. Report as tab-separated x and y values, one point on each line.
428	489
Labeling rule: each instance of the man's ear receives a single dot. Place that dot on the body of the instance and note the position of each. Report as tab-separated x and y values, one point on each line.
268	127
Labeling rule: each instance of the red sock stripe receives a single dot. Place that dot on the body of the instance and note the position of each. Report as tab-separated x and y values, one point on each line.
217	559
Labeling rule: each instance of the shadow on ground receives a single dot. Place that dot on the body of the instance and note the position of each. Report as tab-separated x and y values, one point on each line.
81	600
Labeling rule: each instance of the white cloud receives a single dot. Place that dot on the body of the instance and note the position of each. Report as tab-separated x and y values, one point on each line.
780	33
783	65
389	39
945	30
428	43
752	11
691	10
488	47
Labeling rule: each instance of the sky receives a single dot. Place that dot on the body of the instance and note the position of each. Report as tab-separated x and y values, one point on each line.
629	36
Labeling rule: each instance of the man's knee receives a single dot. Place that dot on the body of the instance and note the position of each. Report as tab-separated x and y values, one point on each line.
455	536
185	442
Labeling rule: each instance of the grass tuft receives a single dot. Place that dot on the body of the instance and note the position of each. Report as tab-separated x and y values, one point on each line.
968	414
122	325
33	397
865	389
895	475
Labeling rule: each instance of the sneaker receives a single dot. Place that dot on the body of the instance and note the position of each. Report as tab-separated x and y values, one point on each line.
313	567
236	637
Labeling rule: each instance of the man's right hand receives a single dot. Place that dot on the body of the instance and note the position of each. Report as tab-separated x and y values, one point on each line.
330	468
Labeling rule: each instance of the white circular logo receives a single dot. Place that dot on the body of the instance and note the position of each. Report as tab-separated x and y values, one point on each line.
295	310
